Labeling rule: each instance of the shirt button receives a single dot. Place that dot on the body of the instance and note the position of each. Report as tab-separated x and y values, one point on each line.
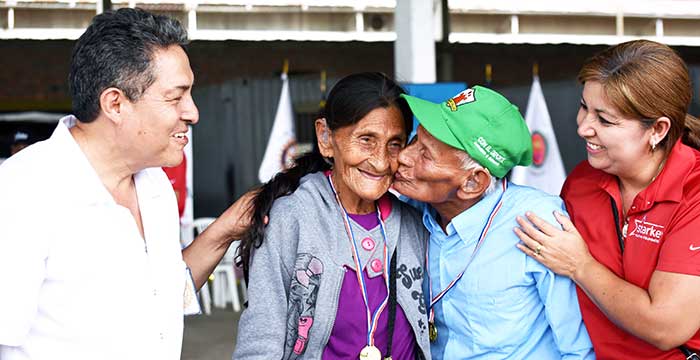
376	265
155	292
634	207
162	337
368	244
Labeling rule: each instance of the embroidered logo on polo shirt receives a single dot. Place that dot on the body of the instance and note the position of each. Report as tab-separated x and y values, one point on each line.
646	230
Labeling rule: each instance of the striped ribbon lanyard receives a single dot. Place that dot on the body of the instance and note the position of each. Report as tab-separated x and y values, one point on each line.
482	237
372	317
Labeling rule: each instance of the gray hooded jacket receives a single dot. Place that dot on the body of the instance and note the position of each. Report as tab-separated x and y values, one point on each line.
297	273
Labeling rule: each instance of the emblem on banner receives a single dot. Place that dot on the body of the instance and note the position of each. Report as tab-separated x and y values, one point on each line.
289	154
539	149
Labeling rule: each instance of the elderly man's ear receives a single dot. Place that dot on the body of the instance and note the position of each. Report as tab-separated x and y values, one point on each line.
474	184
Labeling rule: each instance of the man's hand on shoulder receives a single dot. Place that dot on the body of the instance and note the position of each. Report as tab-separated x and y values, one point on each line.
235	221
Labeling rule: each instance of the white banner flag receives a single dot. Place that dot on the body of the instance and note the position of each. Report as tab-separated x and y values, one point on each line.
547	170
281	147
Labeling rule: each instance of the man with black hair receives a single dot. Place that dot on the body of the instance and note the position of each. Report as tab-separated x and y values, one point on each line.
90	261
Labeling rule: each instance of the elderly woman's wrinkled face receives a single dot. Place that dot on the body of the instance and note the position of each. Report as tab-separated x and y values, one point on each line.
365	157
614	143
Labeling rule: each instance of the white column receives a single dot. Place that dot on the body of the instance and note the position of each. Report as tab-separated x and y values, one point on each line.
10	18
514	24
359	22
414	49
191	7
359	16
620	24
659	27
191	21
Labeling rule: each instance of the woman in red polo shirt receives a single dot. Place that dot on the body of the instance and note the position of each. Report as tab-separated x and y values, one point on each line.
633	242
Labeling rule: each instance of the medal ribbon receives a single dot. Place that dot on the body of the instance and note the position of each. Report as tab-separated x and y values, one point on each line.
482	237
372	317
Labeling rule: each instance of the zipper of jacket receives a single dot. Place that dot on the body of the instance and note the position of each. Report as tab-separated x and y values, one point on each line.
416	331
336	297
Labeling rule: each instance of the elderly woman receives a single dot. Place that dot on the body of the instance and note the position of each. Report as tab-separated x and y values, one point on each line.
323	273
632	243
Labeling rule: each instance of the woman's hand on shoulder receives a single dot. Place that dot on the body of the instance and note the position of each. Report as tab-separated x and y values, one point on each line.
562	250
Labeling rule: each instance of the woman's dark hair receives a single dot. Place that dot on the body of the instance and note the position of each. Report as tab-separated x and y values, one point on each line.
350	100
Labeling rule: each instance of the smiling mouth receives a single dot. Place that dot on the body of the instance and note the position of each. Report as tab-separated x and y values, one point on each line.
372	176
593	146
180	136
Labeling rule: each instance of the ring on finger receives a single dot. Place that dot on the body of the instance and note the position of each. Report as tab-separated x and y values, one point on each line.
538	250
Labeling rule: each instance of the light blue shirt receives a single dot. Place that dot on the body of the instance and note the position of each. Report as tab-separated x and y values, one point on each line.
507	305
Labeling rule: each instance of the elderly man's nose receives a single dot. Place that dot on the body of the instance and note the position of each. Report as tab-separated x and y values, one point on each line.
405	156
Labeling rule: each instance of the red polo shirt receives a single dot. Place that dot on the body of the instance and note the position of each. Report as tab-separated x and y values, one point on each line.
662	234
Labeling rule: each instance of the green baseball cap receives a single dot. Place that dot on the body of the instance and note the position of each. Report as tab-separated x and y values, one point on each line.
481	122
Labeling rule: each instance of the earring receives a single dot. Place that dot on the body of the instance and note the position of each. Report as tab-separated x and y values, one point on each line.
653	146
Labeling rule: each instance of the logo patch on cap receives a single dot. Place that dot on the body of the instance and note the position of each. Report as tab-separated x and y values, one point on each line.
462	98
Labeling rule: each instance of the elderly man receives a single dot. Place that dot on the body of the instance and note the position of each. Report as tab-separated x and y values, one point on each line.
90	261
487	299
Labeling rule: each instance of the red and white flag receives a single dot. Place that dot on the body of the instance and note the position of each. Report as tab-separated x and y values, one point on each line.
547	170
281	147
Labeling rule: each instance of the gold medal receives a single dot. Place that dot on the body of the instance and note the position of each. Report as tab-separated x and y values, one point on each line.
370	352
432	332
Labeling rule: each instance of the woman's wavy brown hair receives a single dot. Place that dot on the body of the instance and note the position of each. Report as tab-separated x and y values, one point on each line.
646	80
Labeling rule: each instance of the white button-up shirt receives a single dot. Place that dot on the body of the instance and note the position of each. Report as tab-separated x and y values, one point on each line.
77	280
